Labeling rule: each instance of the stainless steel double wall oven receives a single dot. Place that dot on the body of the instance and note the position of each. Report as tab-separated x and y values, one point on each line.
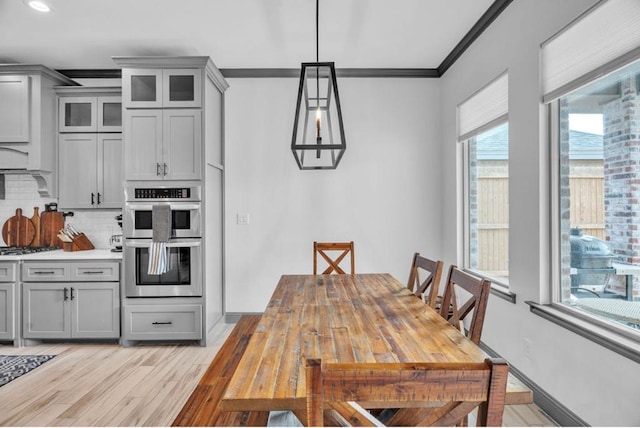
184	277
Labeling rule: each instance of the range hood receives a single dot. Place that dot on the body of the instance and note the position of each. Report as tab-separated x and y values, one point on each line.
28	132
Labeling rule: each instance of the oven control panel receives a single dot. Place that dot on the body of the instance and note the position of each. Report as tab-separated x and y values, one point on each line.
163	193
150	192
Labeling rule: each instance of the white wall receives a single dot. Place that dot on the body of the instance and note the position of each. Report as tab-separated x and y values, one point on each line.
598	385
384	195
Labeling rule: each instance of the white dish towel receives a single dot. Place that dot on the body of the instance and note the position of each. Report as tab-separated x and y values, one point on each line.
158	258
158	251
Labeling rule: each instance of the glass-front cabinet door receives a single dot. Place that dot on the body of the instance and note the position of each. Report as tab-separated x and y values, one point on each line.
142	88
156	88
182	88
77	114
109	114
90	114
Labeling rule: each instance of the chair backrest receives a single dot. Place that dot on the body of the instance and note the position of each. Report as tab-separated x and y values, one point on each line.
445	392
425	274
321	249
477	294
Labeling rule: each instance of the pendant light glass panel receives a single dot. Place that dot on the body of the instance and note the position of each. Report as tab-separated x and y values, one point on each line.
318	135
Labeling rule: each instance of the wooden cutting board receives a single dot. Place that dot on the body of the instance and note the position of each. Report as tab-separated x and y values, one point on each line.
35	219
18	230
50	224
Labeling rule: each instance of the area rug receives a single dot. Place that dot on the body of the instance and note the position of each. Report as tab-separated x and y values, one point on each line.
14	366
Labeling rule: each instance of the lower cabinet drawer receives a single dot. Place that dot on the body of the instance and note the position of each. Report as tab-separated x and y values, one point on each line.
163	322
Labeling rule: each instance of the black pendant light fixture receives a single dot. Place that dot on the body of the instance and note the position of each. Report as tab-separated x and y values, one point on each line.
318	134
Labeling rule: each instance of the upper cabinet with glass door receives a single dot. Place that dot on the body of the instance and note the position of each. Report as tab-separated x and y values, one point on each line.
162	88
84	110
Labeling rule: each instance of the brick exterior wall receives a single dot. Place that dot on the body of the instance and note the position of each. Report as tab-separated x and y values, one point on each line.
565	204
622	175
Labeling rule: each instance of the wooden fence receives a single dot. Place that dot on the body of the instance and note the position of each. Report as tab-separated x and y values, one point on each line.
587	212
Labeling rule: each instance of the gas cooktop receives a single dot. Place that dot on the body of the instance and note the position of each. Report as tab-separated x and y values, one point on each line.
19	251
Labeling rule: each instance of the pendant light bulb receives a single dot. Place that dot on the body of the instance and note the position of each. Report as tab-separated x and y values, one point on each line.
318	118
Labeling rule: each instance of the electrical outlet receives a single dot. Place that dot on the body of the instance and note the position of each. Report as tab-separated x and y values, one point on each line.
242	219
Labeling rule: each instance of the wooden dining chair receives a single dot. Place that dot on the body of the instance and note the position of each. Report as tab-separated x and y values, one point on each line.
477	296
321	249
438	393
425	275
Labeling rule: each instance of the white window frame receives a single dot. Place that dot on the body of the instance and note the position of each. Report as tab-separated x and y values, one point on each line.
498	287
609	334
484	110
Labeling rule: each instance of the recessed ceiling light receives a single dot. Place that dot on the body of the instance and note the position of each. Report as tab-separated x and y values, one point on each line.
39	5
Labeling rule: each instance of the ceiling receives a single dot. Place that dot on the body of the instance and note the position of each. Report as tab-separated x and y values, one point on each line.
85	34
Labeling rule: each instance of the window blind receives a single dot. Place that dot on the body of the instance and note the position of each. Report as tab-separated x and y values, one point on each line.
604	38
485	109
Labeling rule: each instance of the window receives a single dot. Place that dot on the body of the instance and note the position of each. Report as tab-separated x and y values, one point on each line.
487	204
598	155
590	78
484	132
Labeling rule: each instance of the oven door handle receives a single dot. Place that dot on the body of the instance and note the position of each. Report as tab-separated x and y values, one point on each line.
174	206
146	243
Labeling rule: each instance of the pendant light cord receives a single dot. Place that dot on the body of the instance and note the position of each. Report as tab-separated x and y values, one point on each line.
317	54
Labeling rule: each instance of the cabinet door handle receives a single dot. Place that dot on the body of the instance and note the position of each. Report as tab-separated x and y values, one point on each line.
66	296
98	198
158	172
92	197
71	293
165	168
162	323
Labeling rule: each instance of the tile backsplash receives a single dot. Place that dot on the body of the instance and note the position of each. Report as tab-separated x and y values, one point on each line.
21	191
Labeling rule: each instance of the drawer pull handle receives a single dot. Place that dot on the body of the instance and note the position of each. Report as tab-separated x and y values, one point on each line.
92	272
43	272
162	323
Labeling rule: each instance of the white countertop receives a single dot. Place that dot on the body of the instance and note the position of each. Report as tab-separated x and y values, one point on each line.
59	255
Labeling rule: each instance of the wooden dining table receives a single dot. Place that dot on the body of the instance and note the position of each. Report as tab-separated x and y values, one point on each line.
340	318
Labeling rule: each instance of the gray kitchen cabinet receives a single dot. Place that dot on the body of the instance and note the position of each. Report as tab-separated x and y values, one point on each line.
163	144
88	113
90	147
162	87
8	310
71	300
163	322
14	109
90	170
27	122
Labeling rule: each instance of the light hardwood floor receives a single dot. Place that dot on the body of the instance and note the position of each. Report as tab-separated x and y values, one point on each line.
108	385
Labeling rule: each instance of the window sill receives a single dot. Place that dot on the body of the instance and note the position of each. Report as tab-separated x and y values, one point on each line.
497	288
607	337
503	293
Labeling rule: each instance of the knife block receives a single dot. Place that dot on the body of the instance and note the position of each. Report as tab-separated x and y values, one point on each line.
80	243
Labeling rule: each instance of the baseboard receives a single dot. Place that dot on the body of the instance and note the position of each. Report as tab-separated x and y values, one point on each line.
555	410
234	317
